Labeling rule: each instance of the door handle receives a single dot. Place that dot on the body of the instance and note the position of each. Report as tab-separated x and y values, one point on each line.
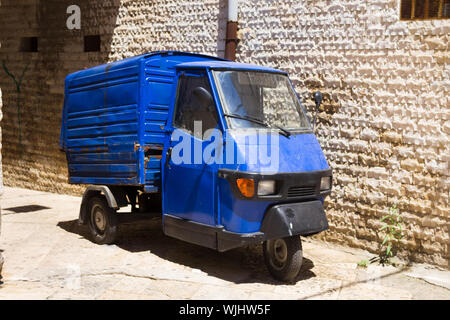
168	155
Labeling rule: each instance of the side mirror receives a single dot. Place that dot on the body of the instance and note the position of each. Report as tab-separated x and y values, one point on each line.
318	97
204	97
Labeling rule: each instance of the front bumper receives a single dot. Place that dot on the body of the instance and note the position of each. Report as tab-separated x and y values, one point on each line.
281	220
304	218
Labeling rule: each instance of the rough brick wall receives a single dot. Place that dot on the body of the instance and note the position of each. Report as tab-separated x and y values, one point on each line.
183	25
1	178
126	28
384	124
37	162
1	172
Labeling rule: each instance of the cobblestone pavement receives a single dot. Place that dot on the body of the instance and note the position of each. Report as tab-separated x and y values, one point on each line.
48	256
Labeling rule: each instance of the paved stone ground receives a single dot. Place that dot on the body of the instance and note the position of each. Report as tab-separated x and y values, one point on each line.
48	256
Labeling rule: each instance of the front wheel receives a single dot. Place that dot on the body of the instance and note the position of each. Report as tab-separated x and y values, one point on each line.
102	221
283	257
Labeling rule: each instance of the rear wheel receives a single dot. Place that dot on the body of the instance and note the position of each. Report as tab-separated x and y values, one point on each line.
283	257
102	221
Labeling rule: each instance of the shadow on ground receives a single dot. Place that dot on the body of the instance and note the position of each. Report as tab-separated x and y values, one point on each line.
26	209
241	265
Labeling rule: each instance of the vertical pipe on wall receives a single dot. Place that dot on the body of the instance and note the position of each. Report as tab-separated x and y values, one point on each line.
231	38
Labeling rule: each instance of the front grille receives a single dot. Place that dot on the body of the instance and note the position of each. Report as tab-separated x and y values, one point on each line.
301	191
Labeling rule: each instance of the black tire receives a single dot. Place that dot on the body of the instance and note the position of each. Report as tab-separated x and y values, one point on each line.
102	221
283	257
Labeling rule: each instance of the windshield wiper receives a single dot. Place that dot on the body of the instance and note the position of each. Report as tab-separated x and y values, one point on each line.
255	120
287	134
284	132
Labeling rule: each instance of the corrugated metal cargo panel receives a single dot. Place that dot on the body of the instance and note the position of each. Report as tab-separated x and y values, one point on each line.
159	83
111	109
102	125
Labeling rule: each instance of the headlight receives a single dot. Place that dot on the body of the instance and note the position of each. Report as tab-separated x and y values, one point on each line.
266	187
325	183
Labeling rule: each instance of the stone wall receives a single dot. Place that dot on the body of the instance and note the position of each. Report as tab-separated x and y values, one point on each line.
1	183
1	172
1	177
126	28
385	121
31	148
384	124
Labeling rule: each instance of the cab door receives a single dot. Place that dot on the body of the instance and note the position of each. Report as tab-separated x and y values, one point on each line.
188	181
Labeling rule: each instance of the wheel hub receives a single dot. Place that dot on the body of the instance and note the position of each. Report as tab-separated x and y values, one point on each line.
99	218
279	253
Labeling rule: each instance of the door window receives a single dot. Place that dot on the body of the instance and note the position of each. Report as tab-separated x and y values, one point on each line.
195	103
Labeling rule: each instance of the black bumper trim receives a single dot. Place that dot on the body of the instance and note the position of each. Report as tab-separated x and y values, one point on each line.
216	238
303	218
282	220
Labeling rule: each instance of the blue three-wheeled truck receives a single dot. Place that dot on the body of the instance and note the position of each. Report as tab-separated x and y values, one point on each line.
224	152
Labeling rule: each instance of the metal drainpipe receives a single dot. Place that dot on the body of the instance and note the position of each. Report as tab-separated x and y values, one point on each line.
231	38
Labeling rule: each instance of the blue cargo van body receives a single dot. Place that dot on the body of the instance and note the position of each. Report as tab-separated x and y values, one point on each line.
114	114
122	127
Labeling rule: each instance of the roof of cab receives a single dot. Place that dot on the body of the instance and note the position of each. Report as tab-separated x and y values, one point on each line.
226	64
135	59
210	62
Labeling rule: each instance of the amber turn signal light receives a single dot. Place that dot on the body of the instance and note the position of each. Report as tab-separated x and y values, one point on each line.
246	187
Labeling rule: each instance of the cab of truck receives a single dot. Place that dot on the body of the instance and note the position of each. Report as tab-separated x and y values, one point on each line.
262	173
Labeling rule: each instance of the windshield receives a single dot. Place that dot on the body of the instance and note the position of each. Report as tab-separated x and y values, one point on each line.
266	97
